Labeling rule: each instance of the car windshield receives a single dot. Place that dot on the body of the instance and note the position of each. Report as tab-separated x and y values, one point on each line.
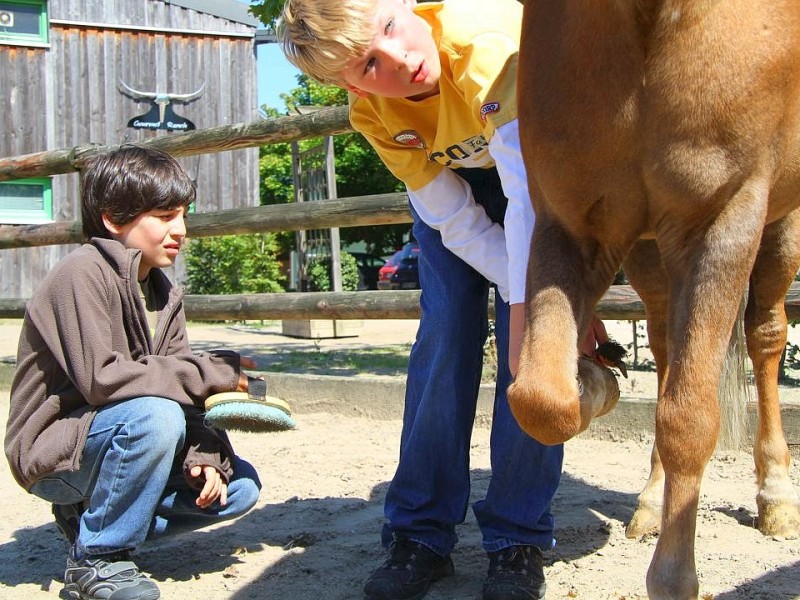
410	250
395	258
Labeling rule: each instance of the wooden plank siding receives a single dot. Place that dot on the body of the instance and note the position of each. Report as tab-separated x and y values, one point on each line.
21	126
68	95
142	13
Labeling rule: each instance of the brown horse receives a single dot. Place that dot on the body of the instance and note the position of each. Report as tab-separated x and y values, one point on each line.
676	122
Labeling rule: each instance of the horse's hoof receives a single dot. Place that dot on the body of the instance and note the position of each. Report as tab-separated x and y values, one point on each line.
645	521
599	390
779	520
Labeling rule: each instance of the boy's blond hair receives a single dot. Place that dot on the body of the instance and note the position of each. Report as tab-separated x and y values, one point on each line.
320	37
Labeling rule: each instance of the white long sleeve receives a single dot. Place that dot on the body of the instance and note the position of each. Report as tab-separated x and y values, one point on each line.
447	205
505	149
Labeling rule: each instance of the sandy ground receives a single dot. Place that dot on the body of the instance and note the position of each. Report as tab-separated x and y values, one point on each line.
314	532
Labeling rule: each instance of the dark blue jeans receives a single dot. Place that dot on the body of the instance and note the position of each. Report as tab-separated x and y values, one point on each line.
429	493
133	489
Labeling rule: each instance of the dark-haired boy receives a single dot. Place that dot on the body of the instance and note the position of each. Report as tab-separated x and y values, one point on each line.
106	403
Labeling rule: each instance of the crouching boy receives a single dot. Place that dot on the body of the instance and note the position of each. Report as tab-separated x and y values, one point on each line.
106	415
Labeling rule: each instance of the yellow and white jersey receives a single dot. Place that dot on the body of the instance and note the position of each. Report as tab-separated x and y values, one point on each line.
470	123
478	44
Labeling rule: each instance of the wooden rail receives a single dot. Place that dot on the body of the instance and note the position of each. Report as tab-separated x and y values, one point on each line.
329	121
378	209
620	303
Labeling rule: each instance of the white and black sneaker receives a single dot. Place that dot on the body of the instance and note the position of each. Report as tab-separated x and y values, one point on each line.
106	577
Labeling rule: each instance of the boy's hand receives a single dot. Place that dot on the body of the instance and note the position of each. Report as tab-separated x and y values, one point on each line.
597	335
214	489
245	362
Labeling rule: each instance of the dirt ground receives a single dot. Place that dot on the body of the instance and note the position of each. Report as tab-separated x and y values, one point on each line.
315	530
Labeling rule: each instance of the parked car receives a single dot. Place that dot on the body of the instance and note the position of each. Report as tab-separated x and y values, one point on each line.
401	271
368	267
387	270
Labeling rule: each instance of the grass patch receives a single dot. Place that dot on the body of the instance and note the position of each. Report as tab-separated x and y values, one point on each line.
391	361
383	360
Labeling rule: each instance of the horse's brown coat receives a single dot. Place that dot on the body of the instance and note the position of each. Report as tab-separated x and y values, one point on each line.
676	122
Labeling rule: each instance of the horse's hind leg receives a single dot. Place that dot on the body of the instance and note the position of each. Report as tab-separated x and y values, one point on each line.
647	276
708	270
765	323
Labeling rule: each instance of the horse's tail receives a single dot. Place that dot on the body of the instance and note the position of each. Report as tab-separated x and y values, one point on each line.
734	391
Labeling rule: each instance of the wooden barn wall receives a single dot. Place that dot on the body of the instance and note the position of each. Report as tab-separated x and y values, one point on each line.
141	13
68	95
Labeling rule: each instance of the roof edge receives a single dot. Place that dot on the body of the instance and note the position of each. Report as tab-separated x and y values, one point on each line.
231	10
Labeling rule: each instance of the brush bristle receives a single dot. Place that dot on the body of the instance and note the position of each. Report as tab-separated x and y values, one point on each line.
248	416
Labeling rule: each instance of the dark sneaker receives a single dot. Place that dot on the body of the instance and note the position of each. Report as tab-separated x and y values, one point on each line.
515	573
107	577
407	573
68	519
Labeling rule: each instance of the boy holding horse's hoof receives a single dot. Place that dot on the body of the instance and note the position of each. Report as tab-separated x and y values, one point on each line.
432	88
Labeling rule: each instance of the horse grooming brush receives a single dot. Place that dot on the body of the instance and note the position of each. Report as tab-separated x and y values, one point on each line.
611	354
251	411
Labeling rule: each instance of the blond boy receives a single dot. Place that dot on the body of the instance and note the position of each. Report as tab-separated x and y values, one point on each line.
433	90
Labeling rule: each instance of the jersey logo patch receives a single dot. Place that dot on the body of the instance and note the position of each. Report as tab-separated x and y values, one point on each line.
410	138
488	108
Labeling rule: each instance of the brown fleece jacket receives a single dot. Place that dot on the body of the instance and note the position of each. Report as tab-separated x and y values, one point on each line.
85	343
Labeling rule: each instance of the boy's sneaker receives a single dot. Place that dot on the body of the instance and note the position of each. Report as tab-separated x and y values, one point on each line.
107	577
515	573
407	573
68	519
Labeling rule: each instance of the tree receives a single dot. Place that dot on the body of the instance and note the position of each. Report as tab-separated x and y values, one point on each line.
267	11
320	273
359	170
233	264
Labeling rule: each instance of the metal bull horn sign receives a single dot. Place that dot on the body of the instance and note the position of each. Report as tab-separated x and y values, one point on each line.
160	115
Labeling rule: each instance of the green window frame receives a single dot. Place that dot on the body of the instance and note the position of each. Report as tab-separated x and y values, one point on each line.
26	202
23	22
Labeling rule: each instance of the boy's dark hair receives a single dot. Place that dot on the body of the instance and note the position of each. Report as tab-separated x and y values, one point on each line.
124	183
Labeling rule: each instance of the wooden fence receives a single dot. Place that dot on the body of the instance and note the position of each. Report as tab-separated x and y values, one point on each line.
619	303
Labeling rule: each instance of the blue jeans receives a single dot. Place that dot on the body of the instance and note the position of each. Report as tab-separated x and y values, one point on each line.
134	489
429	493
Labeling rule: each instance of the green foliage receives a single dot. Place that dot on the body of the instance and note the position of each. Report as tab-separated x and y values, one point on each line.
235	264
275	173
313	93
359	170
275	170
320	275
267	11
